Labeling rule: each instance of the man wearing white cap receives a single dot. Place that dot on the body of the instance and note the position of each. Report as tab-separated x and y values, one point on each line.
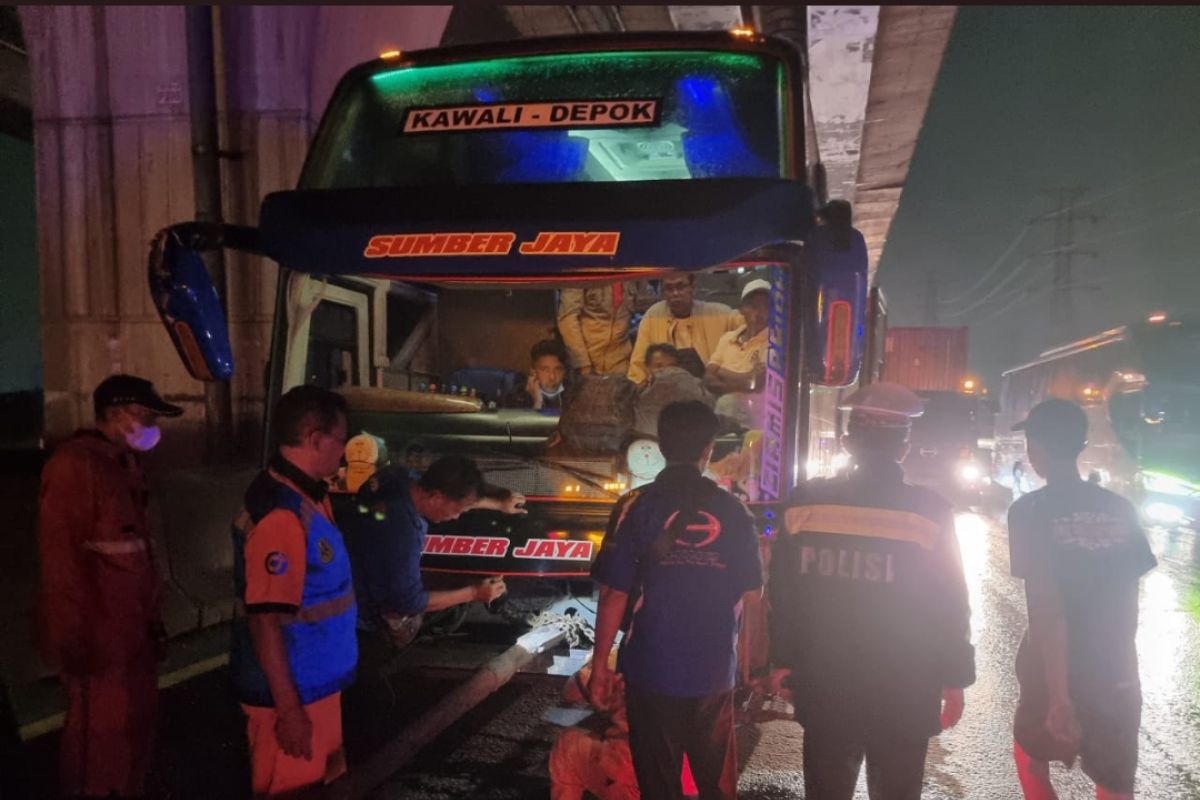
870	625
738	362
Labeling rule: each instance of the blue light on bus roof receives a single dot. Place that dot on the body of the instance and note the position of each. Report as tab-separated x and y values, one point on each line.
713	146
533	156
542	157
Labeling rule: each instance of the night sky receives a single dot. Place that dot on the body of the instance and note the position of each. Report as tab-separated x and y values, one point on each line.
1029	101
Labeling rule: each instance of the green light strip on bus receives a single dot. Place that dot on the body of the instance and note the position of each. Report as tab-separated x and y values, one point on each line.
499	67
1168	484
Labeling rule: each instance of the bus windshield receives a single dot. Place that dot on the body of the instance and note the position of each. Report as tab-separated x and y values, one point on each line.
461	369
1171	353
628	115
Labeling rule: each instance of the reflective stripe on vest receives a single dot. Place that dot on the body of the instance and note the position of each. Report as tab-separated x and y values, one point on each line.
310	614
874	523
320	637
118	548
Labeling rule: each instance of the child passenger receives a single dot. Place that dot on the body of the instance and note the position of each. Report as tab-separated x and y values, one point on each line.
547	378
669	383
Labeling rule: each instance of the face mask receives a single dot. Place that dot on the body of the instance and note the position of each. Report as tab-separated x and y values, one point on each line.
143	438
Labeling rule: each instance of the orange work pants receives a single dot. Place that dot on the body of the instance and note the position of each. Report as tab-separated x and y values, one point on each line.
108	737
275	774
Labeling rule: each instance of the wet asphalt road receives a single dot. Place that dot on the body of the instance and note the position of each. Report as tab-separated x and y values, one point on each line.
973	761
504	756
500	749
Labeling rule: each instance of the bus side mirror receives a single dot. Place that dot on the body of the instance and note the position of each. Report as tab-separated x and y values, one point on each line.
836	332
188	304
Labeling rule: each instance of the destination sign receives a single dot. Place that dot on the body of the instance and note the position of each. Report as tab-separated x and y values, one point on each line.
516	116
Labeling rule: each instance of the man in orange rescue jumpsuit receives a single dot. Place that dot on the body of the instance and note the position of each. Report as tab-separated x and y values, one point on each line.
99	612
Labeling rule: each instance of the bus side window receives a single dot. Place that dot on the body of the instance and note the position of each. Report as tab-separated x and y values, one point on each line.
328	335
333	357
411	340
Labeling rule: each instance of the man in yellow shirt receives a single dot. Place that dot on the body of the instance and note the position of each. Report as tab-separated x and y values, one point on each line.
594	323
682	321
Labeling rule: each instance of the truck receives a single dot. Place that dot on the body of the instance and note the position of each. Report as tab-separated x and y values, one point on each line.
926	359
950	444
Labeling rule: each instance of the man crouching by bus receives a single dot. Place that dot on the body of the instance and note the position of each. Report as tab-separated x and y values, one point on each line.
294	647
386	530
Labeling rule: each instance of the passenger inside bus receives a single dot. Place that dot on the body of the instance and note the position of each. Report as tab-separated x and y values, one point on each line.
668	383
548	378
692	326
738	364
434	368
595	323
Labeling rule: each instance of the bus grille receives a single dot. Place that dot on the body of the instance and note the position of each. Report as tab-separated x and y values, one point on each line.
553	479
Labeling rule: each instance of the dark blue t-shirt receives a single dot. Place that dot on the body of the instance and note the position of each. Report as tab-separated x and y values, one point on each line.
385	535
683	638
1087	542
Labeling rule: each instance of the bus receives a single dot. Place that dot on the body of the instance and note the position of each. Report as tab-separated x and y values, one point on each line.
449	194
1140	389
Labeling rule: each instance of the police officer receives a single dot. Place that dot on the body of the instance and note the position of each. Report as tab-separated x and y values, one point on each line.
870	620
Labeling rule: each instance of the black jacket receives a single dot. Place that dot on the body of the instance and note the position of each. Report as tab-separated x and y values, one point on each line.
868	603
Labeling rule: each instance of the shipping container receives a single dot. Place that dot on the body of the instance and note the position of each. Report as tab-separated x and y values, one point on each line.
930	359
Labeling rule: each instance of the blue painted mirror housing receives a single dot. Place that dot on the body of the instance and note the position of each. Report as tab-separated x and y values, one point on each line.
189	307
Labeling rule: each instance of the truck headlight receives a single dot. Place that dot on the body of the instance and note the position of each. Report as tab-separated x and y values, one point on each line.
1167	484
970	472
1165	514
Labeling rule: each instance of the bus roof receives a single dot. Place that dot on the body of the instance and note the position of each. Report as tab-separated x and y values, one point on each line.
577	156
1073	348
586	230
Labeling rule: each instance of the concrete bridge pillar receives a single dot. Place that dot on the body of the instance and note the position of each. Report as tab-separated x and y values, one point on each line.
113	166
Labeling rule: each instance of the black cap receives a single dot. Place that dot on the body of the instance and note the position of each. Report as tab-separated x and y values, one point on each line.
123	390
1058	423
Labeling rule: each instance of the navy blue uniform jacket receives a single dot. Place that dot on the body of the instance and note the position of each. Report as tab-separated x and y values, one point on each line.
868	603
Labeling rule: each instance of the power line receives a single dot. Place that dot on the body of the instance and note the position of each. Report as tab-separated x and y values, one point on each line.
1020	237
1187	212
1071	207
1064	253
1009	278
1170	169
1009	299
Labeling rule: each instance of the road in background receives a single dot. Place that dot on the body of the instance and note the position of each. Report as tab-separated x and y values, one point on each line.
500	749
